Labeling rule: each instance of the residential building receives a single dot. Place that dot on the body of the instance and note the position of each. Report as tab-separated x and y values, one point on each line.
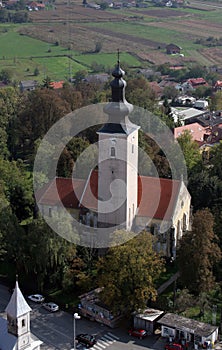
28	85
172	48
186	115
179	327
147	319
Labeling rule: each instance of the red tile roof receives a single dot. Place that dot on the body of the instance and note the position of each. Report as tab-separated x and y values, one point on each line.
61	190
196	130
197	81
156	196
57	84
218	84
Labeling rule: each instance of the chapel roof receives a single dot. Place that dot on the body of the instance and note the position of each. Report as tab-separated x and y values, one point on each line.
17	305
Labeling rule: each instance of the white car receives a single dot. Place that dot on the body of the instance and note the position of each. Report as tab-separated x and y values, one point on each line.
37	298
51	306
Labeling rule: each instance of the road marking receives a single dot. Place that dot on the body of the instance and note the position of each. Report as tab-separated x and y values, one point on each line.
109	338
104	338
105	341
99	345
113	335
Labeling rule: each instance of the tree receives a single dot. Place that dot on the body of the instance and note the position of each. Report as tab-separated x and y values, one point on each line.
199	253
46	83
70	94
216	101
183	300
170	92
18	189
205	189
80	75
39	110
6	75
129	272
36	72
140	93
190	150
98	46
216	161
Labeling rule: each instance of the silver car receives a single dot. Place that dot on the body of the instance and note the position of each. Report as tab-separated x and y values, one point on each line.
52	307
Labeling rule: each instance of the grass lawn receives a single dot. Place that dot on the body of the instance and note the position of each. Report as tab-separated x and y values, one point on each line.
50	60
107	59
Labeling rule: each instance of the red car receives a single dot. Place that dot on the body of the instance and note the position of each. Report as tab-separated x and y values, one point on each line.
138	333
173	346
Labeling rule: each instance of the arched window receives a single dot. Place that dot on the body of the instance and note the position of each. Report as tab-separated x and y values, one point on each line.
113	152
23	322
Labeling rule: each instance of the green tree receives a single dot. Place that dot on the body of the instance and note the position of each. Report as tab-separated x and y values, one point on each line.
46	83
18	189
140	93
205	189
36	72
216	101
190	150
39	110
129	272
184	300
6	75
216	161
198	254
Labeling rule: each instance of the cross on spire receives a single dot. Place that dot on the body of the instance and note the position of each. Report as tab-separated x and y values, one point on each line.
118	54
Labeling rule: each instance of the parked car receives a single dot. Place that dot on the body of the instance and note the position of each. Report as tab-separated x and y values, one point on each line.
138	333
37	298
86	339
52	307
173	346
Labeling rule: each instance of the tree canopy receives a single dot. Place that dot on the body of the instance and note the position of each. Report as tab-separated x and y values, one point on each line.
129	272
198	254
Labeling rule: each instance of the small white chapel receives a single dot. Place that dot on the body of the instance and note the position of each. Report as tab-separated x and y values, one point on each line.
15	331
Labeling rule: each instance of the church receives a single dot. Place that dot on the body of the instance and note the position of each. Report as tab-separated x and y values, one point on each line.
15	331
114	193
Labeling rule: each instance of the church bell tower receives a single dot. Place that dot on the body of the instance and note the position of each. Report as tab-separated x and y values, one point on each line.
18	319
118	160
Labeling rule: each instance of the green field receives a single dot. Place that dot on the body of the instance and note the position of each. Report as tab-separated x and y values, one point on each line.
22	55
107	59
134	31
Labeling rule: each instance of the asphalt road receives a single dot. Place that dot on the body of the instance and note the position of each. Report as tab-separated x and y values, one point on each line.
56	330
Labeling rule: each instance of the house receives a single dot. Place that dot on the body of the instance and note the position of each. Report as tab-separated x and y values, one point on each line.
91	306
57	84
179	327
161	206
184	100
101	78
218	85
198	132
28	85
15	331
172	49
186	115
35	6
193	83
201	104
93	5
147	319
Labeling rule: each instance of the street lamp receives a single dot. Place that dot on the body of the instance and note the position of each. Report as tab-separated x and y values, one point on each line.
75	317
